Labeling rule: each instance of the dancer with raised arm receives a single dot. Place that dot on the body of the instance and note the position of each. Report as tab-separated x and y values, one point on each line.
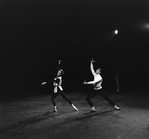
98	90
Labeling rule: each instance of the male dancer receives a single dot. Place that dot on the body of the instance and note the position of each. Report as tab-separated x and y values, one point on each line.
97	83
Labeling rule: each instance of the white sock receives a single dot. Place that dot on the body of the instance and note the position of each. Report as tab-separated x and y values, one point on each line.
74	107
92	108
55	108
116	107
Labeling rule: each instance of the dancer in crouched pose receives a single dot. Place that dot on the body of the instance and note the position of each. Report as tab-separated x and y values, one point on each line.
97	83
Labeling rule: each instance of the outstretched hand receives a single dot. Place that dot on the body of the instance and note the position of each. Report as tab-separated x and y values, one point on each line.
84	82
43	83
92	60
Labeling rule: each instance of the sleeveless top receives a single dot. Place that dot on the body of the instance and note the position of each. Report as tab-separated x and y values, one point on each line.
57	84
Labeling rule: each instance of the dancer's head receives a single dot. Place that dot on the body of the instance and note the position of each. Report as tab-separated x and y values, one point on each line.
60	72
98	71
59	62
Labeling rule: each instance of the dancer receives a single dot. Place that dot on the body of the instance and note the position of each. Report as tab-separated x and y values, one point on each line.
59	90
97	83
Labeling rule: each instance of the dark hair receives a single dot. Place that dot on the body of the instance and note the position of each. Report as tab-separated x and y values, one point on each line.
61	70
101	69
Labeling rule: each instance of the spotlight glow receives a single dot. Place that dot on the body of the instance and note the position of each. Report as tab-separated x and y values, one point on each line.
146	26
116	31
143	26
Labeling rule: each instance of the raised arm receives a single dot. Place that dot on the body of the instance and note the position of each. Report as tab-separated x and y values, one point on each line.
92	67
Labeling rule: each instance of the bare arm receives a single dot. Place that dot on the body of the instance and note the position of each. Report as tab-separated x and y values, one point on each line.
90	82
60	83
96	80
92	67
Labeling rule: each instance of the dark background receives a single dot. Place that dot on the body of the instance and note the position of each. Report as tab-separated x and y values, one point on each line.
35	34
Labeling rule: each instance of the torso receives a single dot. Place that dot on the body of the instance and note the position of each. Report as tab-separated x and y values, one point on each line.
98	84
57	81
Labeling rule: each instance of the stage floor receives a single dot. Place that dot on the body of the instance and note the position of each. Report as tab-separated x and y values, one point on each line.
32	117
